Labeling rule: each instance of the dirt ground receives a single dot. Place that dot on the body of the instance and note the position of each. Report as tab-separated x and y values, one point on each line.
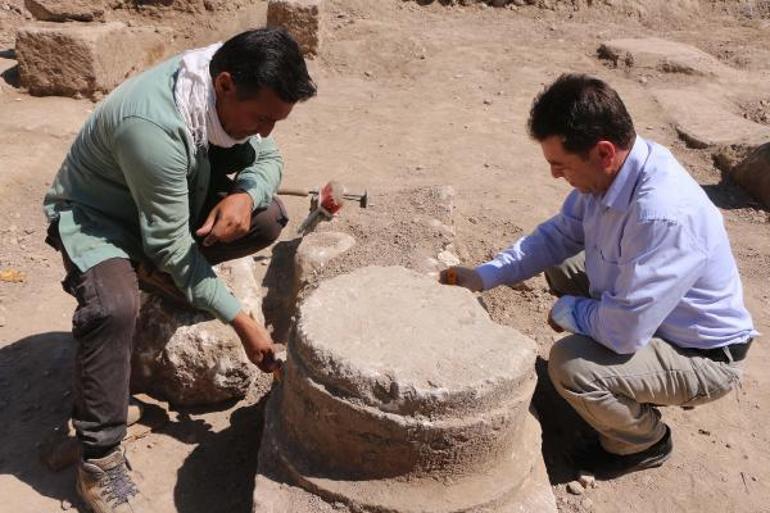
409	96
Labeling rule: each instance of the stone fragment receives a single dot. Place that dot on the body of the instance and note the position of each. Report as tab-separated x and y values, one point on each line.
65	10
704	121
448	258
587	480
662	55
575	488
70	59
402	395
315	251
750	170
186	357
302	18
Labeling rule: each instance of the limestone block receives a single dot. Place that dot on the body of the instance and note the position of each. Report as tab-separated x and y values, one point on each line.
69	59
315	251
65	10
400	394
703	120
662	55
302	18
753	174
187	357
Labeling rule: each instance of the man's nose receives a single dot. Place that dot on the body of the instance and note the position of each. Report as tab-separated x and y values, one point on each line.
556	173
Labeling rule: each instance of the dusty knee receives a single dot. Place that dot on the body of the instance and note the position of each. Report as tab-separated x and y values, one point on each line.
568	362
108	300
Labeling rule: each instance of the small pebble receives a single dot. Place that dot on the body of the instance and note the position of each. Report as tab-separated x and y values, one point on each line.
66	505
487	102
587	504
587	480
575	488
704	431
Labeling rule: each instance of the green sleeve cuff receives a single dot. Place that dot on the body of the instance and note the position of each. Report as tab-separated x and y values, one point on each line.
227	308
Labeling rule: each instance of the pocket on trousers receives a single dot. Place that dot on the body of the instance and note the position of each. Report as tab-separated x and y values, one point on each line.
90	311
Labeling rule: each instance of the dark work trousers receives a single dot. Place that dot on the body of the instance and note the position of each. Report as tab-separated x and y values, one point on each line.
104	322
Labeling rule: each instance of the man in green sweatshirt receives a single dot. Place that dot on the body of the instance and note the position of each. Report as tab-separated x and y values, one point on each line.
144	198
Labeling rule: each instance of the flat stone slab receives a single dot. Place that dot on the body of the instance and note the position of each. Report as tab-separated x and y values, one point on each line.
66	10
704	122
662	55
398	341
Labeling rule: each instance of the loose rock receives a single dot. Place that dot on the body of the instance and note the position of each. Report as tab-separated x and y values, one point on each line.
302	18
65	10
587	480
189	358
575	488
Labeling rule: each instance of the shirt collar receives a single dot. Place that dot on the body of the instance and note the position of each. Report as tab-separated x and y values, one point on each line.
618	196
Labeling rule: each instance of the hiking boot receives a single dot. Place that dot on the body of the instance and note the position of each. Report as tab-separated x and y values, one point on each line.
105	485
607	465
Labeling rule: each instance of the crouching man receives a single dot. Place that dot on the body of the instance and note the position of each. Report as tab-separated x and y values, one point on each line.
143	199
647	283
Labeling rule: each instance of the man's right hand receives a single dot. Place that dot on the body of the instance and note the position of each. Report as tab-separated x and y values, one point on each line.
256	341
463	277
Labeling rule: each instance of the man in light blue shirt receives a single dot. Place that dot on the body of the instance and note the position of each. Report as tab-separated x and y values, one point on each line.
647	281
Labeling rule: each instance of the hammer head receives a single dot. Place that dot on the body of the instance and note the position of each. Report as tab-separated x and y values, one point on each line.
362	199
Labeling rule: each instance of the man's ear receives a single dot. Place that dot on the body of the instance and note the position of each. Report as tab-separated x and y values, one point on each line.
224	84
606	151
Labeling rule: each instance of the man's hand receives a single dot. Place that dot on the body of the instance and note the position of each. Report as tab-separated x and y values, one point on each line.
463	277
228	221
555	327
562	316
256	342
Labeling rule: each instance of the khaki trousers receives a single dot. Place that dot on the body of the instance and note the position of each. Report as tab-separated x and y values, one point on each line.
618	394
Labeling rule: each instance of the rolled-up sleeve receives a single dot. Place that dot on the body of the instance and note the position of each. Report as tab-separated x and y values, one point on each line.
155	170
549	244
663	263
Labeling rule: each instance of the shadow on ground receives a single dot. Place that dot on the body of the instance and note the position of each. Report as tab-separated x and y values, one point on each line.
563	429
219	474
35	405
728	195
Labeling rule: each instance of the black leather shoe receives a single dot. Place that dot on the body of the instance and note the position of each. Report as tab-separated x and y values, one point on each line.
606	465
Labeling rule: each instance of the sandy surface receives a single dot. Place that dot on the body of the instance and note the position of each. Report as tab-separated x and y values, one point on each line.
408	96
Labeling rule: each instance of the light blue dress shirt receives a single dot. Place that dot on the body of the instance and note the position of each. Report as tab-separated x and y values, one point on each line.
657	257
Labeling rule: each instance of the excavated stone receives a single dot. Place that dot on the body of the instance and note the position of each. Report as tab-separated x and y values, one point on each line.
703	121
316	250
662	55
65	10
70	59
401	395
302	18
753	173
188	358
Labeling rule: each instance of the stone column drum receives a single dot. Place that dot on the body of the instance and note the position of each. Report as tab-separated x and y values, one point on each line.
401	395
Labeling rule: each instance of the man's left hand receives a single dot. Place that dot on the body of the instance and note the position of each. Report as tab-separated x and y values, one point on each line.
228	221
562	316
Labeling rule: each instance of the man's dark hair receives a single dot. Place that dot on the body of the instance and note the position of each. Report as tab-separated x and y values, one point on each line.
266	57
582	111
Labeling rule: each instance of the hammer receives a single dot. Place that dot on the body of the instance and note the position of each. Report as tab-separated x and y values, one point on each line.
362	199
